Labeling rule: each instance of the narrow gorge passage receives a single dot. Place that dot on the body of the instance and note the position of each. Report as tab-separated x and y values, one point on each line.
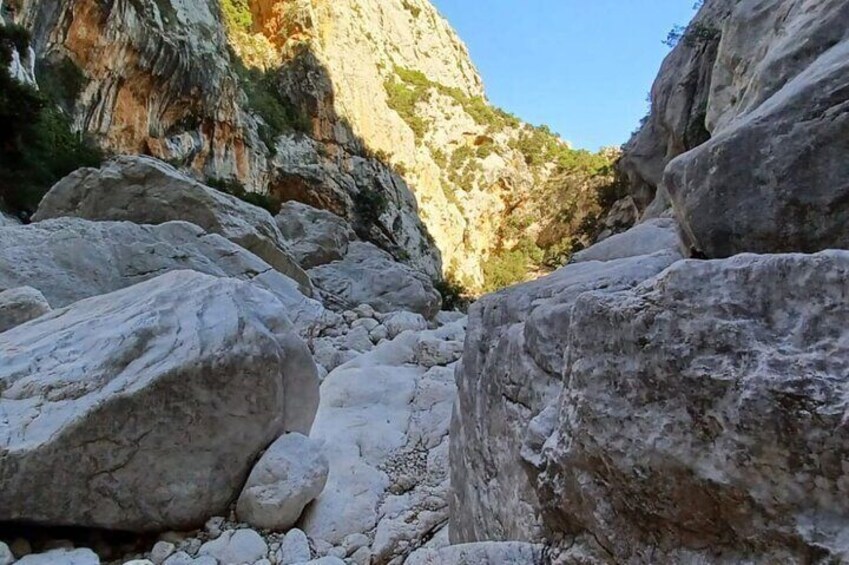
280	284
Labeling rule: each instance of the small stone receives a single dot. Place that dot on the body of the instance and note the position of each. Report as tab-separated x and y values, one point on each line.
6	556
214	525
240	546
378	334
21	548
367	323
364	311
362	556
354	542
161	551
191	545
139	562
321	546
295	548
338	551
179	558
349	316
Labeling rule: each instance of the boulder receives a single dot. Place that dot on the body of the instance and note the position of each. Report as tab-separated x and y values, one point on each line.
288	476
704	417
397	323
368	275
69	259
143	409
8	220
145	190
511	369
485	553
773	178
315	237
388	466
653	236
19	305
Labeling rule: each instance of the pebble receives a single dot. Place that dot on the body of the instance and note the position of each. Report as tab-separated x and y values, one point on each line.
161	551
295	548
240	546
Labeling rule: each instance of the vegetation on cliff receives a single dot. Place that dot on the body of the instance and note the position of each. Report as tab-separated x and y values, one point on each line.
37	144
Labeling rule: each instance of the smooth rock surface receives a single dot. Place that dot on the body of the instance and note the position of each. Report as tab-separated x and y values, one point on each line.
19	305
511	369
69	259
289	475
315	237
385	423
61	557
704	417
143	409
295	548
647	238
144	190
368	275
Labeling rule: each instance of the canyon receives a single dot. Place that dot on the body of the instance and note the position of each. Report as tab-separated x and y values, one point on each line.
235	327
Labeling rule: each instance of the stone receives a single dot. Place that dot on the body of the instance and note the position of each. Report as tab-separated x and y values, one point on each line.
70	259
61	557
386	478
139	562
367	323
448	317
20	547
327	560
236	547
6	555
288	476
295	548
19	305
378	333
399	322
358	339
362	556
705	406
485	553
647	238
368	275
214	359
144	190
511	369
161	551
315	237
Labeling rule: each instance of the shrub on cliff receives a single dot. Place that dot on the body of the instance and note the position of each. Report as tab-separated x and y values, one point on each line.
37	144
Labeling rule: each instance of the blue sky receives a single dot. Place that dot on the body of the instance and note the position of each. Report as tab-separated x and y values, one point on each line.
584	67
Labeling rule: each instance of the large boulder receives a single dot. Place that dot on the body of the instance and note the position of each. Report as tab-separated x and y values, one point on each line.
69	259
704	418
144	190
774	177
653	236
511	369
144	409
315	237
368	275
384	419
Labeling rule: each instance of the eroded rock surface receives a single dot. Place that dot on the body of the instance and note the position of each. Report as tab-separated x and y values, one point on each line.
511	369
145	408
69	259
704	416
368	275
20	305
148	191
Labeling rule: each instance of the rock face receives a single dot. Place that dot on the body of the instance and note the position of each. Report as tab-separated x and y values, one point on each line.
750	110
20	305
70	259
370	276
511	369
704	422
486	553
772	179
147	191
316	237
289	475
144	409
